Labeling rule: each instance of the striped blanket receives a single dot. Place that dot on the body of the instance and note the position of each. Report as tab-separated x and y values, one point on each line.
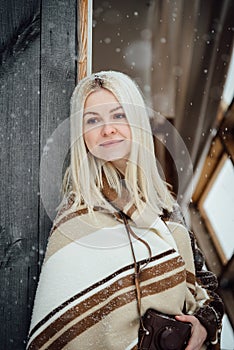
86	296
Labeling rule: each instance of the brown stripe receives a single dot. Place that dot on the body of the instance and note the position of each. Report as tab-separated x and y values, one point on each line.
108	278
165	284
101	296
68	217
71	216
190	277
131	210
119	301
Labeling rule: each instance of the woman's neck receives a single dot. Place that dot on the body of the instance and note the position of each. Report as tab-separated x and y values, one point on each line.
120	165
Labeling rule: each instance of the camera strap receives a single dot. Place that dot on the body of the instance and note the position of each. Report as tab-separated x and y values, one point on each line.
137	269
137	266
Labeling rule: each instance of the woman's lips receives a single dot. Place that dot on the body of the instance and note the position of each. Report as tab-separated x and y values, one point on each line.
110	143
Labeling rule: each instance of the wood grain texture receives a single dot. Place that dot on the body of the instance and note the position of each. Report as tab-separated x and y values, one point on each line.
58	36
18	26
37	77
19	193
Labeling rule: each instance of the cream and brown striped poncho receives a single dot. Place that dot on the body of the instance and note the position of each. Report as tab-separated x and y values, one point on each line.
86	294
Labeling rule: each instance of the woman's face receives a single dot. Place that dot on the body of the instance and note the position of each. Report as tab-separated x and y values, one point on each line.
107	133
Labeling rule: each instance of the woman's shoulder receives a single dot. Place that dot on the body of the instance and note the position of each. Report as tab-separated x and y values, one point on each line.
175	215
177	228
175	221
68	210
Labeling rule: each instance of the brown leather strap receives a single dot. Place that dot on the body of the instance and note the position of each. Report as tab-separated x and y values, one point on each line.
137	268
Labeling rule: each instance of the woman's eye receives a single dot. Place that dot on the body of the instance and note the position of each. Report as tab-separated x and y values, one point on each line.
92	121
120	116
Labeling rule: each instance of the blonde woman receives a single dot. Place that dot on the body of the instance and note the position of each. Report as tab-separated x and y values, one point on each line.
118	221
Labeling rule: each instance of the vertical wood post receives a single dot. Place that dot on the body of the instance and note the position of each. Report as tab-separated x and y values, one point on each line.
38	73
84	35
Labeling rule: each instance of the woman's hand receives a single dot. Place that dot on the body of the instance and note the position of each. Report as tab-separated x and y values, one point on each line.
198	333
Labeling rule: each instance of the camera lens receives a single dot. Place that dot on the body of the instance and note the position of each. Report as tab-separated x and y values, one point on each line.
169	339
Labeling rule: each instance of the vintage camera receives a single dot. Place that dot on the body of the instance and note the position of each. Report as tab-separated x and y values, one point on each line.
164	332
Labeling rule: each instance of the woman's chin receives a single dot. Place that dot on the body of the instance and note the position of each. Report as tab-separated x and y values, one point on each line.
111	157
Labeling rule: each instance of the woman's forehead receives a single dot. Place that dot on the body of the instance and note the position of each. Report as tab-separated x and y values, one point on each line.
100	97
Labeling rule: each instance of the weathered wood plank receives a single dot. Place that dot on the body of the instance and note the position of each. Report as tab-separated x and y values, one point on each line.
16	23
19	154
17	289
58	58
36	85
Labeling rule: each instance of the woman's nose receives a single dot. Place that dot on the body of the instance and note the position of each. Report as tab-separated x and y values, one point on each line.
108	129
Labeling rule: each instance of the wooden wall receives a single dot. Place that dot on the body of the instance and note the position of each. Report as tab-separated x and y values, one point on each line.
37	76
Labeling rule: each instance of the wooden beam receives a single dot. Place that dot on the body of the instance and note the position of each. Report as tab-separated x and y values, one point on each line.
211	162
84	36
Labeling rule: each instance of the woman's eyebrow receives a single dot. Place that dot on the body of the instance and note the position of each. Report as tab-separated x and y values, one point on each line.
95	113
115	109
90	112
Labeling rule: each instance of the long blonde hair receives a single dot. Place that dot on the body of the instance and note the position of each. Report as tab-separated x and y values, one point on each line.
84	178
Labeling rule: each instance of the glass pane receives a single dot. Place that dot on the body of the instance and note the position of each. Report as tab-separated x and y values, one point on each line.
218	207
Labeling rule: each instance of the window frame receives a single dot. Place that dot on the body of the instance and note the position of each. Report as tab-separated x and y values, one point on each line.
204	214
